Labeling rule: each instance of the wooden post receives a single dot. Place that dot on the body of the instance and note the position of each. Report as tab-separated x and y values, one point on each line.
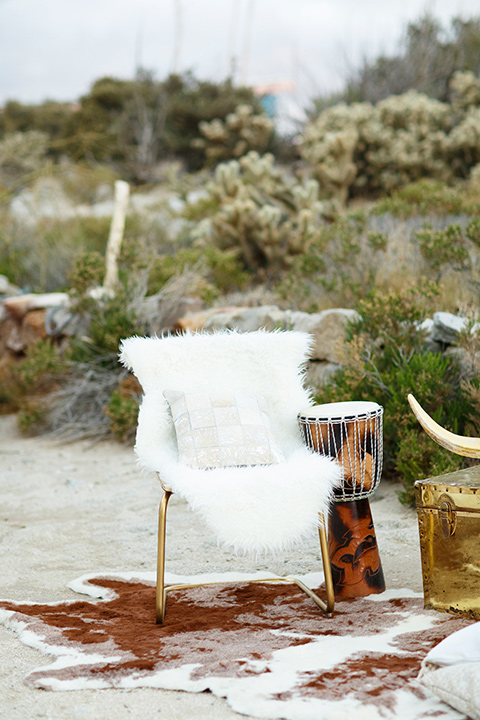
117	227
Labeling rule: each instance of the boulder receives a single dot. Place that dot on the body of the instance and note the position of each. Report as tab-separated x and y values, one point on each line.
33	327
328	328
431	345
447	327
247	319
319	373
6	287
463	360
19	305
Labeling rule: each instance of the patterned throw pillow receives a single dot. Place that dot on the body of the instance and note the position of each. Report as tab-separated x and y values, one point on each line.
219	430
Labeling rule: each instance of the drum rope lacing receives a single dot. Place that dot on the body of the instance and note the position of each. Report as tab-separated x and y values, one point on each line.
333	437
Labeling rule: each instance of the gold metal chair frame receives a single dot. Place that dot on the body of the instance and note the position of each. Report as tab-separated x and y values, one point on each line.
162	591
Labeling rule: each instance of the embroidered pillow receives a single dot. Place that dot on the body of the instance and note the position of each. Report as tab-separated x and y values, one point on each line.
221	430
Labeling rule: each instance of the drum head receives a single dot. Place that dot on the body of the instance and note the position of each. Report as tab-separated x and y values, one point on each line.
340	410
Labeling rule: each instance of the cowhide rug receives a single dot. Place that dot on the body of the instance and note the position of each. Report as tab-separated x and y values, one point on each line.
266	648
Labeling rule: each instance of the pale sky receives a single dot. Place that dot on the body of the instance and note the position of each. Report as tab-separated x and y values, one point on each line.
57	48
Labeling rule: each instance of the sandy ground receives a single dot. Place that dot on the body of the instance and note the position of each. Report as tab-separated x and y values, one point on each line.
70	509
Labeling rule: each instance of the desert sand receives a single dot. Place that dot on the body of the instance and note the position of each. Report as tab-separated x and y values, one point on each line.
70	509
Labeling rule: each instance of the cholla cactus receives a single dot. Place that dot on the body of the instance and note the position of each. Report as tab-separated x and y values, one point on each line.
465	89
332	157
242	131
464	142
269	218
474	179
379	148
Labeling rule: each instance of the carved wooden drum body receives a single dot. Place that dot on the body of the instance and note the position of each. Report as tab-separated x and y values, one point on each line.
352	433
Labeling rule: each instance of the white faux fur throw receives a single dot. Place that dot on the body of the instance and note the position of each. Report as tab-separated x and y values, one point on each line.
250	509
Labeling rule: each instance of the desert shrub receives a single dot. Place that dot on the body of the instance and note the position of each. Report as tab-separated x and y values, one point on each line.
426	197
22	153
122	412
122	408
38	256
132	124
385	360
444	247
83	183
242	130
26	383
86	272
108	320
48	118
112	320
419	457
218	271
427	57
338	267
32	417
35	372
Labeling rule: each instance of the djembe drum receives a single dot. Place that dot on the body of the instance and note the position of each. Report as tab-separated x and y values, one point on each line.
352	433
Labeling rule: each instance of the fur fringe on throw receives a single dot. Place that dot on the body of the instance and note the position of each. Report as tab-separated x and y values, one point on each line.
250	509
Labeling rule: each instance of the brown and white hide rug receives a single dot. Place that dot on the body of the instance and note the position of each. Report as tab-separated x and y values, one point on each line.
266	648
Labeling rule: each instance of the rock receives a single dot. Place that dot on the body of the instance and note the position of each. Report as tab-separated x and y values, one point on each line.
447	327
33	327
18	335
10	337
320	373
19	305
47	199
431	345
6	287
103	193
463	360
60	321
328	328
247	319
194	322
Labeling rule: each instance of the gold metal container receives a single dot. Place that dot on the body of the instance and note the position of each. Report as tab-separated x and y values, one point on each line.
448	508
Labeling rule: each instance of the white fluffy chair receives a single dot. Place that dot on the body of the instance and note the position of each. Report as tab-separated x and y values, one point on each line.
251	508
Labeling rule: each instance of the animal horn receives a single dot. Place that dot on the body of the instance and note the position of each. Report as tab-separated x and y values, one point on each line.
459	444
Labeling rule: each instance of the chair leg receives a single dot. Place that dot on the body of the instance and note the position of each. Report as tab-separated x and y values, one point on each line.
327	570
161	593
161	596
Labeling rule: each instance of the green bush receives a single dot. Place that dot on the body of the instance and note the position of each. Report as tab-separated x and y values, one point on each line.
444	247
32	417
219	271
122	412
40	366
26	383
426	197
385	360
338	267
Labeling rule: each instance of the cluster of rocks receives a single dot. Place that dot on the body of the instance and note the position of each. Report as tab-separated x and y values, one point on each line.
27	318
442	335
327	327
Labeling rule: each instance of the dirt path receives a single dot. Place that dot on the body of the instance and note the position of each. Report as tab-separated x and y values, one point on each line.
66	510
